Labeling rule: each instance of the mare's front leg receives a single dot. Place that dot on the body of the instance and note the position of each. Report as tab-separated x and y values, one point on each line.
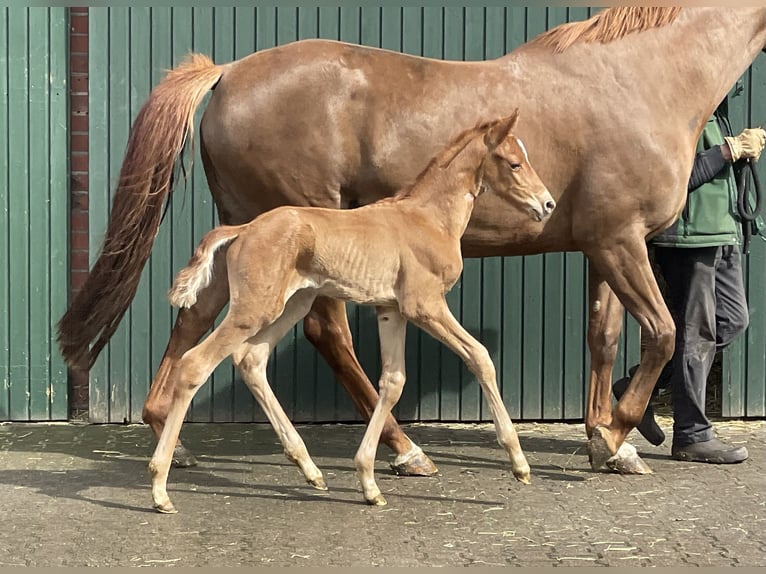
435	317
191	324
624	265
392	328
604	325
326	327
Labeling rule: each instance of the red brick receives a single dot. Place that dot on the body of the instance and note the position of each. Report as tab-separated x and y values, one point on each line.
78	221
79	103
79	183
78	142
78	161
78	123
79	241
78	43
78	22
80	201
78	84
79	259
78	63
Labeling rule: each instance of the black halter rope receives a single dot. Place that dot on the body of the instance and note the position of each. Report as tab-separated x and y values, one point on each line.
746	213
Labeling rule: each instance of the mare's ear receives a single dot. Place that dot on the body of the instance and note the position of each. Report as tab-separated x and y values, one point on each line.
500	129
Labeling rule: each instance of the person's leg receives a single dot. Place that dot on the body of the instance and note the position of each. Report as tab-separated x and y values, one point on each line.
692	288
731	313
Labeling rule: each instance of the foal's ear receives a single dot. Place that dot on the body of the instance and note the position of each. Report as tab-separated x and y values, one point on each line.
500	129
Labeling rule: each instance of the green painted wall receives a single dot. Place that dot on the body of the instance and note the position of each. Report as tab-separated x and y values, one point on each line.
33	211
529	311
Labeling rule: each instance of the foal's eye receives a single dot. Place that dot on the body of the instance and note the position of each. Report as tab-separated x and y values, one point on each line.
515	166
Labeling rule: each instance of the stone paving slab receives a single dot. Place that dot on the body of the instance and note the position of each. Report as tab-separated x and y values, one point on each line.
78	495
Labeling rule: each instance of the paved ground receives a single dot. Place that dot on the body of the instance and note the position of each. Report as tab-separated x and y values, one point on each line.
76	495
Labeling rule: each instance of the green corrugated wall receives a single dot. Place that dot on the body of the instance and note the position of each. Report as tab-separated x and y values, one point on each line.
529	311
33	211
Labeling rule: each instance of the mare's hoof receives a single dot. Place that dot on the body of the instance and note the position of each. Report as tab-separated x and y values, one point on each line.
318	483
183	458
377	501
166	508
598	450
627	461
417	465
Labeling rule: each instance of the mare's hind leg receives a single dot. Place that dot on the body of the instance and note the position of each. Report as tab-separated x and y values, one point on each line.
624	264
436	318
604	324
326	327
251	359
189	374
392	328
191	324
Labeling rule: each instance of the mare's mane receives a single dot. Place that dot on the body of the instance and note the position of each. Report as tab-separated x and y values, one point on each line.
607	26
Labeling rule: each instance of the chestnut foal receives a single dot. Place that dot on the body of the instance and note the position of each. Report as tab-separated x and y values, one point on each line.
401	254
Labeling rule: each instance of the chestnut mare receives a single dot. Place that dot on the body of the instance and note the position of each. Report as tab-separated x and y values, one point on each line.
401	254
613	105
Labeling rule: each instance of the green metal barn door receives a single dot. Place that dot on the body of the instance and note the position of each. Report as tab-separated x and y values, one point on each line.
33	211
744	363
530	312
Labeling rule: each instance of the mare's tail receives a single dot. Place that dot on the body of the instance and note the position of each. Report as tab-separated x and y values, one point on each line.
196	275
161	129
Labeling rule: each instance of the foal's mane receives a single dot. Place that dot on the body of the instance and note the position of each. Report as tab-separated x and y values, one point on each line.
611	24
444	157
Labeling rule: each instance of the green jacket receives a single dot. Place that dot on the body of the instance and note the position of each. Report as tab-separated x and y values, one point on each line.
710	216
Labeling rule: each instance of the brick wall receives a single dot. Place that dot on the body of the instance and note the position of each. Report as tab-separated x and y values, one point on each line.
78	239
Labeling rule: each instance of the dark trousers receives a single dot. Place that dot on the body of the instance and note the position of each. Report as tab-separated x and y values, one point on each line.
706	297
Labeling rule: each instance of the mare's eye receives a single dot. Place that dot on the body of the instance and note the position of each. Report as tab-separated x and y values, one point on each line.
515	166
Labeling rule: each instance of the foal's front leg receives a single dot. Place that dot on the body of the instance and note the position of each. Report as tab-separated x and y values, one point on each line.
392	328
436	318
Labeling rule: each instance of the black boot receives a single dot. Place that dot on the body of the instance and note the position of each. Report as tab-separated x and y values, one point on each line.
648	427
713	451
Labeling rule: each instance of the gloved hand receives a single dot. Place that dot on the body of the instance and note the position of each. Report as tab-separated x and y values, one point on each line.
748	144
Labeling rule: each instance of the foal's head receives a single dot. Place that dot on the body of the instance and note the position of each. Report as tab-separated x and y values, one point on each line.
507	171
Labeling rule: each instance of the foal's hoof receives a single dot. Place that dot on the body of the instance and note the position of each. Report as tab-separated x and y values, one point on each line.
166	508
627	461
416	465
377	501
523	477
182	457
598	449
318	483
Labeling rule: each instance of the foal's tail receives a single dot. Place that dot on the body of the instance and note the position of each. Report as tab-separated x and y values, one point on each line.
159	134
196	275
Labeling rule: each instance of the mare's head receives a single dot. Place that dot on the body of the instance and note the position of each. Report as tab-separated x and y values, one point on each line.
508	174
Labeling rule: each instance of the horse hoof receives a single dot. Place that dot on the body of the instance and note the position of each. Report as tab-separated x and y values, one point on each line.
318	483
598	449
627	461
523	477
166	508
417	465
377	501
183	458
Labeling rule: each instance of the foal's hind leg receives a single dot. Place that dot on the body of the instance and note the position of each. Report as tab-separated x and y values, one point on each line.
189	374
604	324
251	360
392	328
436	318
326	327
191	324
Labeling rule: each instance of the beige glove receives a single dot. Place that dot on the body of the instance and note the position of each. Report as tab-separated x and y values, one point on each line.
748	144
